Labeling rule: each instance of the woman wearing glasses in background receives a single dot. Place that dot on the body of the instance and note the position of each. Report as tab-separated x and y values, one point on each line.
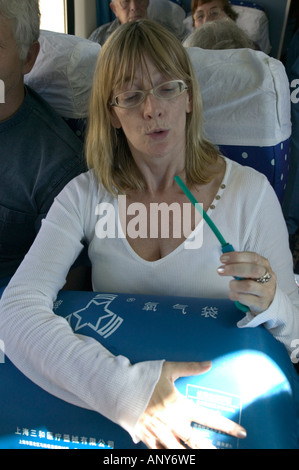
145	128
211	10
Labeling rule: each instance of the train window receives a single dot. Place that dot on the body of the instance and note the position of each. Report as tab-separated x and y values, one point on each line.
53	15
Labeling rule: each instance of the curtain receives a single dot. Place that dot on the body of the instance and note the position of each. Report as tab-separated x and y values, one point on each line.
104	13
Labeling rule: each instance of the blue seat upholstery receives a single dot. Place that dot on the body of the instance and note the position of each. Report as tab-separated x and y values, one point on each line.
271	161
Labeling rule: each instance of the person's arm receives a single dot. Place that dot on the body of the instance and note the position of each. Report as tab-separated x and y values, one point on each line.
78	369
43	346
275	304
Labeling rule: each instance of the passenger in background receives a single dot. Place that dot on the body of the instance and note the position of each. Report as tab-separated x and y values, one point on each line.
211	10
39	153
221	34
124	10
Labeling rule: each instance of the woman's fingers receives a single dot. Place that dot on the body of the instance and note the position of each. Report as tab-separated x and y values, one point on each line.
245	265
214	420
167	421
254	282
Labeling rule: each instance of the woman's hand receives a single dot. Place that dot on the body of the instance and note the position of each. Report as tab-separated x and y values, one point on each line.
166	422
257	285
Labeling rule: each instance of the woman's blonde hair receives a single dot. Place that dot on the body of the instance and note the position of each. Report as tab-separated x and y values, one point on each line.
107	150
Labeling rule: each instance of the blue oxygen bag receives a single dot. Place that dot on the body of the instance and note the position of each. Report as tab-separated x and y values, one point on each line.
252	380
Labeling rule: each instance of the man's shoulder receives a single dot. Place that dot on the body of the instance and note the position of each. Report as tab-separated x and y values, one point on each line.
53	125
101	34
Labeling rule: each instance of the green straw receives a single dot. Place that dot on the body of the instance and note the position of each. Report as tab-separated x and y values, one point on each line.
225	246
201	210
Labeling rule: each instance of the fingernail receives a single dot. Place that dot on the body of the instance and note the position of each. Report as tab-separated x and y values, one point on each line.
224	258
221	269
206	364
242	434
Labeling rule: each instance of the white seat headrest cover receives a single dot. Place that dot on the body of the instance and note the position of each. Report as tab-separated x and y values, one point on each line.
63	72
256	24
168	14
245	95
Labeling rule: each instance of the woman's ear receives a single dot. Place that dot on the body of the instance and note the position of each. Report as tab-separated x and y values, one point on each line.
31	57
115	122
189	103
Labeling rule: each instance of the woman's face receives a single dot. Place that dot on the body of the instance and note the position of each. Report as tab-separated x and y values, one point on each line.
155	128
211	11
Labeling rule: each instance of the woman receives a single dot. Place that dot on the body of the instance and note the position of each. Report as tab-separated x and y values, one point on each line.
211	10
144	129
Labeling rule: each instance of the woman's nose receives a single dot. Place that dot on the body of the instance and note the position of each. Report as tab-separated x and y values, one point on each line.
152	106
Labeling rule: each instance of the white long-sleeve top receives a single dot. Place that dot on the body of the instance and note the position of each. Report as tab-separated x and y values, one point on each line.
80	370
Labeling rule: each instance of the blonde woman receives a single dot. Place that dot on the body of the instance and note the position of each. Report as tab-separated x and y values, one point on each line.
145	128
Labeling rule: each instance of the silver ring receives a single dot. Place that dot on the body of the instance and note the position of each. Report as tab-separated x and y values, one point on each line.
265	278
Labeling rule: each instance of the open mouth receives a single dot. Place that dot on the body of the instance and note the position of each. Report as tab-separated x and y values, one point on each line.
158	134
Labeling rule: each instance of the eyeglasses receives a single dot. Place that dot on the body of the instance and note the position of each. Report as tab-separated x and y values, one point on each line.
211	15
165	91
126	3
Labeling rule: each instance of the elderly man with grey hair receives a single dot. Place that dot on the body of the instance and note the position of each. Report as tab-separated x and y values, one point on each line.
39	152
125	11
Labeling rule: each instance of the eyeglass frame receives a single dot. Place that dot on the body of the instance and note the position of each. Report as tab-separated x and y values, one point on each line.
124	7
209	13
145	93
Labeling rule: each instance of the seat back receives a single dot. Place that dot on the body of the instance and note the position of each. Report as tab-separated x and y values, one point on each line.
253	19
63	75
246	101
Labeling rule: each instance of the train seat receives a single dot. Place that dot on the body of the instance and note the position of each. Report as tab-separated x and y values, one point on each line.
170	15
253	19
246	101
63	75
